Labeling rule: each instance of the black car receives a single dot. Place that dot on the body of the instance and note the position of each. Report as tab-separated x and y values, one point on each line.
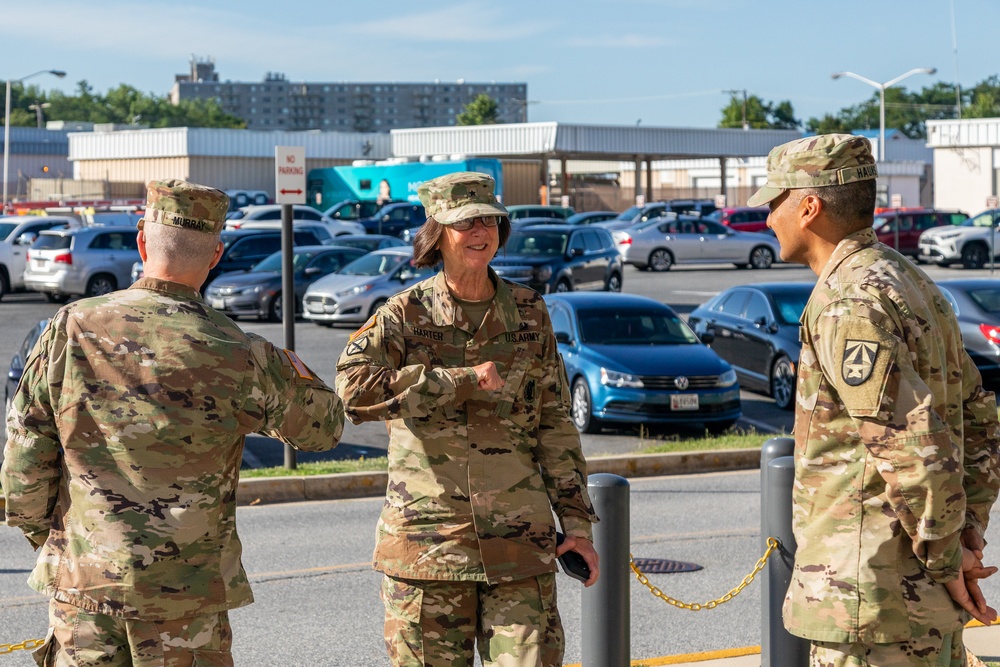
369	242
244	248
257	292
756	329
16	368
561	258
392	219
977	305
352	209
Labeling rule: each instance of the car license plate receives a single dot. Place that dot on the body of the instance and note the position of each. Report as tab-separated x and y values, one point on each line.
684	402
218	304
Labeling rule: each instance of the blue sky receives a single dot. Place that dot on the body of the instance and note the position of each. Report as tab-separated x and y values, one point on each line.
659	62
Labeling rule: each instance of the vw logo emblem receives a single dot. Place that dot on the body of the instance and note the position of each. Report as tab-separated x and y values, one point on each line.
681	382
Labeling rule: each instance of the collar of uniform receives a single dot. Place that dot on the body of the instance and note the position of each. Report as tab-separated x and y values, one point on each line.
167	286
849	245
503	316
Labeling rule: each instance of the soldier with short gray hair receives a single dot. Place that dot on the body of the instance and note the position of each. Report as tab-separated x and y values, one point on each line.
896	441
124	444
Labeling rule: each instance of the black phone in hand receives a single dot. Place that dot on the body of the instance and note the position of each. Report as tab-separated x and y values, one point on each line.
572	562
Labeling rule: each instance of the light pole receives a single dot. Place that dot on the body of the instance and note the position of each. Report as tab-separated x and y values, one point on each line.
6	128
881	105
38	108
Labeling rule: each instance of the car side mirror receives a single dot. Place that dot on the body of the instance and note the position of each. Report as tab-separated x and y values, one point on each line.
564	337
312	271
406	274
575	252
707	336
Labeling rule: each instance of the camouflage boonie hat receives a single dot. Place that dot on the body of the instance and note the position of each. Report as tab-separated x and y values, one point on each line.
459	196
815	162
186	205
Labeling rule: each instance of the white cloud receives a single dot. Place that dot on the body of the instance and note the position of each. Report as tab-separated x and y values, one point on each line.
468	22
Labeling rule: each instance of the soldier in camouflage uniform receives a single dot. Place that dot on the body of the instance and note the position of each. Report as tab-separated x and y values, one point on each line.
464	369
124	444
896	460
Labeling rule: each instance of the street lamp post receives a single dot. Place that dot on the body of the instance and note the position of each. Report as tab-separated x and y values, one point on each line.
6	128
881	105
39	109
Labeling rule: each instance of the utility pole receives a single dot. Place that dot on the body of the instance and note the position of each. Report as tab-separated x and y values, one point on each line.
746	125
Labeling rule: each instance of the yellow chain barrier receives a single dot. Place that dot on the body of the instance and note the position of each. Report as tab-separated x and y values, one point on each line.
772	544
26	645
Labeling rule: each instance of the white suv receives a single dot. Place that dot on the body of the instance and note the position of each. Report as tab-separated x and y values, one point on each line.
272	212
968	243
17	233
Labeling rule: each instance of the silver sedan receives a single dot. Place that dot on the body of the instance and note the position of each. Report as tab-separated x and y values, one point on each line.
687	240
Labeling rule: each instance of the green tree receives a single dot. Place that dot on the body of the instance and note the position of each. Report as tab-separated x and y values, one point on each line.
984	99
760	115
480	111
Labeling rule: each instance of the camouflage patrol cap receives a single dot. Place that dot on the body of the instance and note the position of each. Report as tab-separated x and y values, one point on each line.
186	205
815	162
459	196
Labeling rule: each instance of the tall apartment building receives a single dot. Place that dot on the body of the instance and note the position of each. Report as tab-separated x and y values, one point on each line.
278	104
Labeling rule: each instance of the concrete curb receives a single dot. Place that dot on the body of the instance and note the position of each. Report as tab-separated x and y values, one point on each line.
266	490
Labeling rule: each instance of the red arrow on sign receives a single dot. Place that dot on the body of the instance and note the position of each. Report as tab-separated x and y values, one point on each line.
291	192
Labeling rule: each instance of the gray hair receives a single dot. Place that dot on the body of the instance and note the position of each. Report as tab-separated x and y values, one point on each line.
184	250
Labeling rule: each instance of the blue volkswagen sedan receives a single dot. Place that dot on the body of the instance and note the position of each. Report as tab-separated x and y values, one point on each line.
632	359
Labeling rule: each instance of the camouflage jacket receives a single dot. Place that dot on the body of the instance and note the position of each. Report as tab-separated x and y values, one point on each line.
895	452
124	447
473	475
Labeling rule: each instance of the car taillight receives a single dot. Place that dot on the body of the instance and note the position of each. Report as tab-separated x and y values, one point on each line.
626	241
65	258
991	332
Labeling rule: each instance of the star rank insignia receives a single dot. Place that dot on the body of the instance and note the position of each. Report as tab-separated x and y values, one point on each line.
859	361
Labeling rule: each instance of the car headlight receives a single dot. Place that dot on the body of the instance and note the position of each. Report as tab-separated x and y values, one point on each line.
543	273
353	291
616	379
256	289
727	379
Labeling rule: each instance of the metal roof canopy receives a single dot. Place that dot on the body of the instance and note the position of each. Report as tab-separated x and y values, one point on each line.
589	142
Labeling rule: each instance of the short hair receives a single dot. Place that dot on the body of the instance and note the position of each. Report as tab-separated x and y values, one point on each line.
852	204
425	243
186	250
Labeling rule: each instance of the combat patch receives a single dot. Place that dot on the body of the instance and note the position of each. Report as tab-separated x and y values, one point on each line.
364	327
529	392
859	361
357	345
523	337
298	365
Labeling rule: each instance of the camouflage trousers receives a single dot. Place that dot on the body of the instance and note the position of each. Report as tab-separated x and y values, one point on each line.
932	650
438	623
80	638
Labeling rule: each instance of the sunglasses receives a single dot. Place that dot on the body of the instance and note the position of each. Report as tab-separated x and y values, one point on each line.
466	225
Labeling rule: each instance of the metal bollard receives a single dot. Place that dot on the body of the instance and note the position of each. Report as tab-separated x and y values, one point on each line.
778	648
606	613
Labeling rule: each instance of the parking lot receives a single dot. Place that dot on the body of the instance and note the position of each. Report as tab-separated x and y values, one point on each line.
683	288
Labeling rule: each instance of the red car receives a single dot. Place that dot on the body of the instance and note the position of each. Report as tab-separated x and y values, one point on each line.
742	218
911	223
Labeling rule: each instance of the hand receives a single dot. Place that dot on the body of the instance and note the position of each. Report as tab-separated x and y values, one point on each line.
586	549
488	377
965	590
973	541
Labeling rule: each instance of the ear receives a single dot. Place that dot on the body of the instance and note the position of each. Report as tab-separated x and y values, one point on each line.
809	209
218	255
140	241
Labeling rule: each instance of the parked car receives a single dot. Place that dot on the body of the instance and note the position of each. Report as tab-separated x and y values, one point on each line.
239	218
243	198
244	248
321	231
538	211
756	329
85	261
636	214
977	306
901	228
354	293
590	217
258	292
17	233
393	218
352	209
560	258
968	242
632	359
741	218
16	370
370	242
687	240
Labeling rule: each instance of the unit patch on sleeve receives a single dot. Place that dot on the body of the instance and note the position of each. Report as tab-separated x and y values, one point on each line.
859	361
357	345
298	365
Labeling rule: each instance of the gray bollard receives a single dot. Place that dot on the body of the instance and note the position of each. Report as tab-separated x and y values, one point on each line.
778	647
606	614
770	450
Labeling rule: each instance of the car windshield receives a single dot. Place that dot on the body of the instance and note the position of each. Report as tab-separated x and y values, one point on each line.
6	228
361	242
272	263
987	299
790	306
537	243
238	214
982	220
714	216
373	264
622	326
629	213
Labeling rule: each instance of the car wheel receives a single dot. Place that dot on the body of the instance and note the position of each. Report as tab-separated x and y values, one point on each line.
661	260
974	256
375	306
101	284
274	313
761	257
4	284
614	283
783	383
581	407
55	297
563	286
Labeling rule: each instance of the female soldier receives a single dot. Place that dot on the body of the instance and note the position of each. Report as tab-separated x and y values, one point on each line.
464	368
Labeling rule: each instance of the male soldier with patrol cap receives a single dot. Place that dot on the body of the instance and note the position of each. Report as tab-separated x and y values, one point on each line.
124	444
896	460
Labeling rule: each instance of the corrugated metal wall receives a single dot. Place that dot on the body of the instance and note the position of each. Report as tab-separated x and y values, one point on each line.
132	171
479	140
521	179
